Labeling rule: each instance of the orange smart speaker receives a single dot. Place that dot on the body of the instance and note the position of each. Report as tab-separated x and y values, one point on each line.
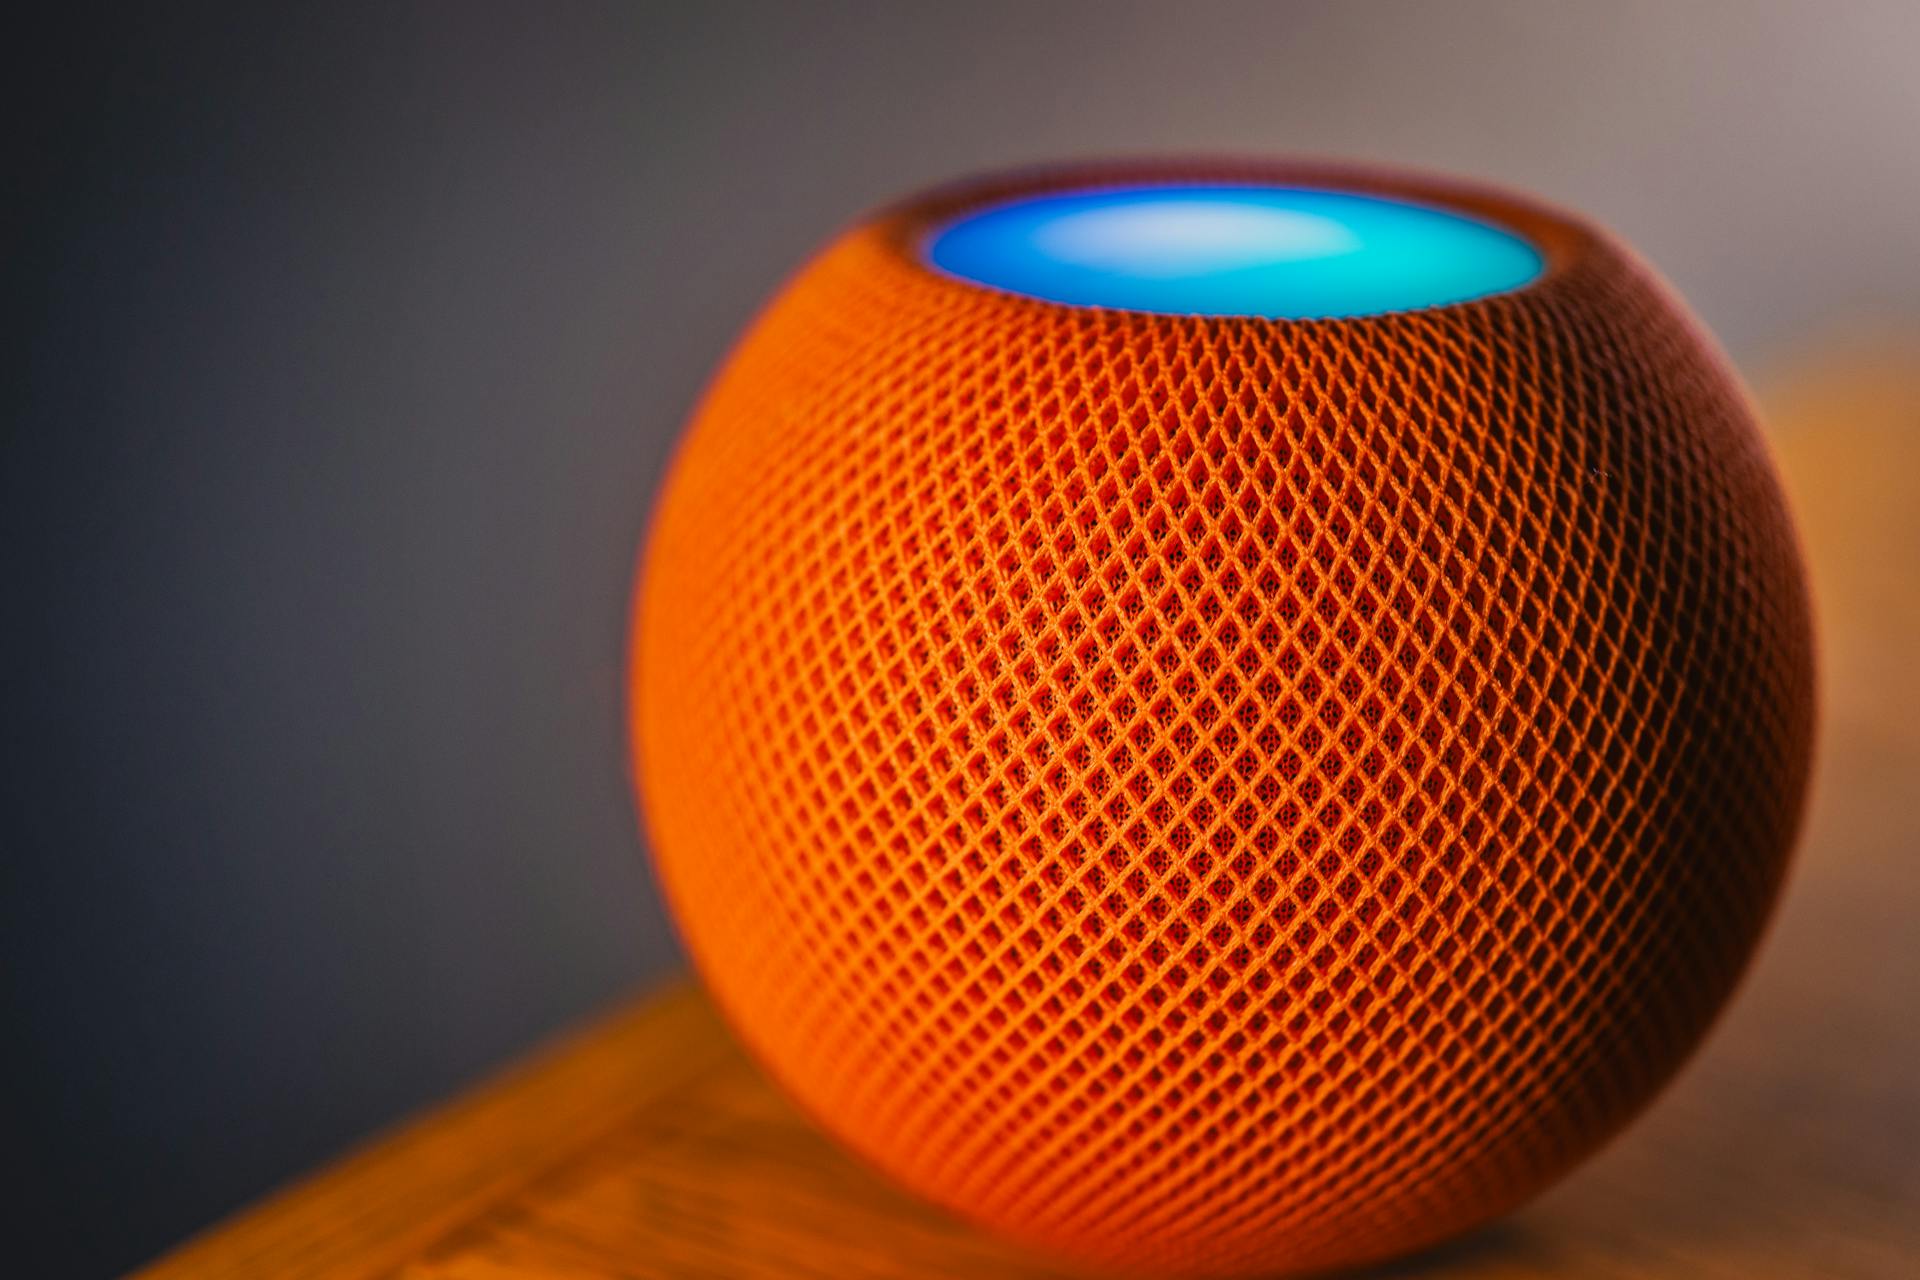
1223	718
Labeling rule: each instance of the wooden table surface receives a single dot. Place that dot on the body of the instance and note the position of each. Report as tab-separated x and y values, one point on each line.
648	1145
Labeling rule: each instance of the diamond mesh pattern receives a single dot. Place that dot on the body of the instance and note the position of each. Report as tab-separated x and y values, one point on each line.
1222	795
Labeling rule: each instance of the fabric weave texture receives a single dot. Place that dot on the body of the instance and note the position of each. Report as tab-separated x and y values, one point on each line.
1221	795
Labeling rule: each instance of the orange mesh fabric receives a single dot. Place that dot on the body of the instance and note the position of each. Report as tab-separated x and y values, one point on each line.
1222	795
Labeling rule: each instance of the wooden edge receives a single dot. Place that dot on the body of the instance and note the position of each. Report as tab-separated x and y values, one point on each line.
376	1209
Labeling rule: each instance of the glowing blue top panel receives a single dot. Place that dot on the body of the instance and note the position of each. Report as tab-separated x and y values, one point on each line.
1278	252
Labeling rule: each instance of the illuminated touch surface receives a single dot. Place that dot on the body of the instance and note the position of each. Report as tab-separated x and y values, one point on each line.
1278	252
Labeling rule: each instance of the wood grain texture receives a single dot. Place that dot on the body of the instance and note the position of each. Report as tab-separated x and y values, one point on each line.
649	1146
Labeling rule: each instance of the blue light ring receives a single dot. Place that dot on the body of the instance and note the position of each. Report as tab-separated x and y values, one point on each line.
1571	247
1286	248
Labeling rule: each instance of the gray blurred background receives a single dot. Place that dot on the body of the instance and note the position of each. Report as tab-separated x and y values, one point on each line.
350	347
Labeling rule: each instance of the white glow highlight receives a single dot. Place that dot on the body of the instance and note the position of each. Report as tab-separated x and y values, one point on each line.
1173	238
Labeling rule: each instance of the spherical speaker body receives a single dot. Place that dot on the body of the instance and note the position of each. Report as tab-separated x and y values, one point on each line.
1221	792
